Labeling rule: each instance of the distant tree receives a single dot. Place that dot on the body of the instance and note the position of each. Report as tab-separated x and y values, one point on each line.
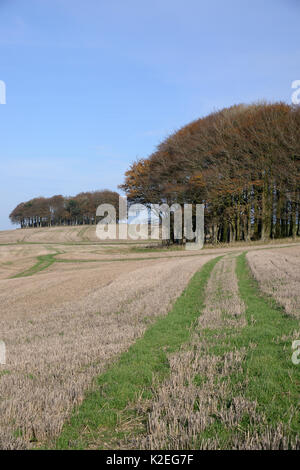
59	210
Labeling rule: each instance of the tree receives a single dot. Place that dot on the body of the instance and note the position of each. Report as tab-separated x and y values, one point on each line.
242	162
59	210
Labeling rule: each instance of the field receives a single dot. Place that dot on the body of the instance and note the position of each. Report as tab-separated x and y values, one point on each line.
127	346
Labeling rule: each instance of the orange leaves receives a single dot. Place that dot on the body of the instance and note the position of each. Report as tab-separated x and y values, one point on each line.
197	180
225	159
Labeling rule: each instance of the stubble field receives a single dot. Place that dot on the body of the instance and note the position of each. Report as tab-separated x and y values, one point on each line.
73	309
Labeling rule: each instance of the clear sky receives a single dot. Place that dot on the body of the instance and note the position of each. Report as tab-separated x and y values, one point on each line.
94	84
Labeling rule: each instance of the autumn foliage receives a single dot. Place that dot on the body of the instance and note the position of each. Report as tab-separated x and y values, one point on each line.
242	162
59	210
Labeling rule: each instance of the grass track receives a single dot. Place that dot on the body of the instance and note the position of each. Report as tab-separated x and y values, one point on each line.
97	418
43	262
269	376
273	379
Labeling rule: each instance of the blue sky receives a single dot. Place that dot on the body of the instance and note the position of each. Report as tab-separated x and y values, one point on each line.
93	85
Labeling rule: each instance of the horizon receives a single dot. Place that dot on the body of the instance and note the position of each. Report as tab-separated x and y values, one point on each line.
88	92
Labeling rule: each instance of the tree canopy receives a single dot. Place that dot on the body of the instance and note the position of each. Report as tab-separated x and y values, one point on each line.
242	162
59	210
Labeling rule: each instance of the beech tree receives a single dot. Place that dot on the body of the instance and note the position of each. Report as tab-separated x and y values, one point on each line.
59	210
242	162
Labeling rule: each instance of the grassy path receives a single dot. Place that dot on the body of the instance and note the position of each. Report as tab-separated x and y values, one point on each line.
97	421
247	388
272	379
43	262
268	377
266	383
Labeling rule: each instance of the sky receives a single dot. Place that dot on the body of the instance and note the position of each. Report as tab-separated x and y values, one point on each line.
92	86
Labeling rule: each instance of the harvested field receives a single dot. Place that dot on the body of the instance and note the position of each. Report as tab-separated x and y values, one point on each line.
71	307
182	409
18	258
50	234
278	274
61	329
67	234
205	402
223	306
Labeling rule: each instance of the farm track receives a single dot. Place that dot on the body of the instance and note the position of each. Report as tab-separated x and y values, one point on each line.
73	311
55	354
45	261
103	419
220	388
196	389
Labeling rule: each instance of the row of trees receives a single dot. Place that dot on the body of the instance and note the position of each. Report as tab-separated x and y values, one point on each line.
59	210
242	162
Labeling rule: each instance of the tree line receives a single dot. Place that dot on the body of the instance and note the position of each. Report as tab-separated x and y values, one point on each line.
60	210
242	163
